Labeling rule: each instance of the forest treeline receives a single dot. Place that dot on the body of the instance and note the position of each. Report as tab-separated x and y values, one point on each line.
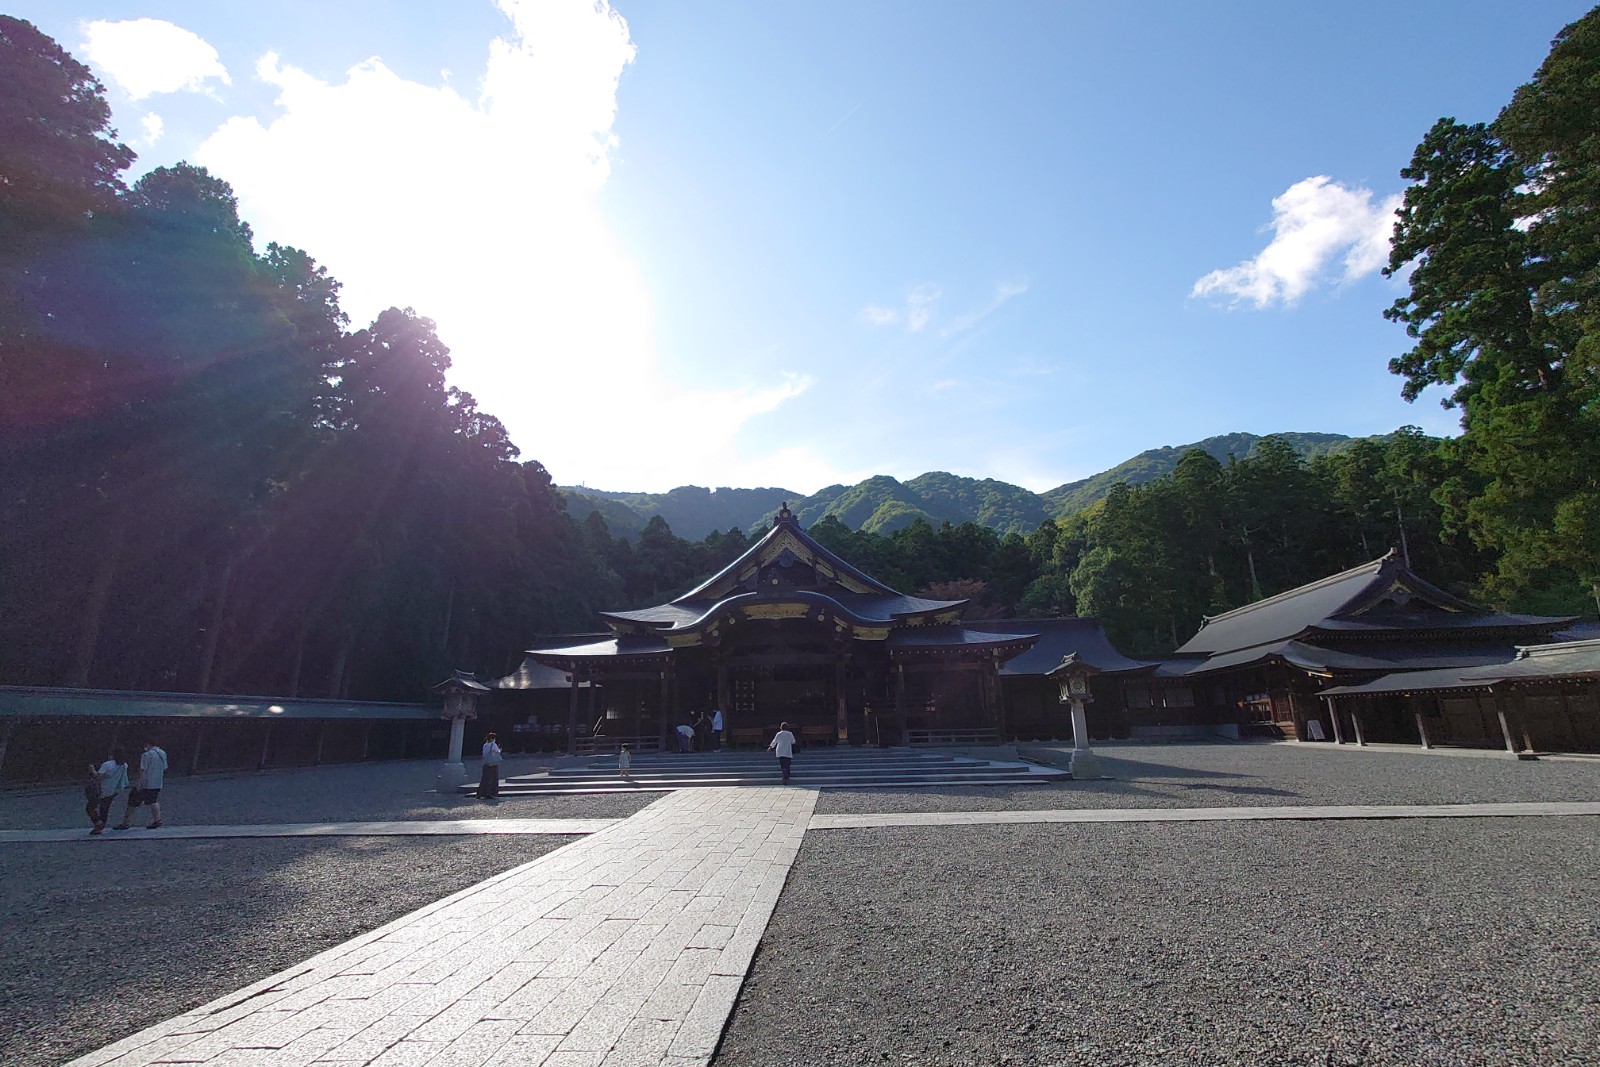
212	481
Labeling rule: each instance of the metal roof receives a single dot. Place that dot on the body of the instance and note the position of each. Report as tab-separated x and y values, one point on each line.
1317	659
785	532
626	646
531	674
1083	636
942	637
1383	598
1562	661
863	608
33	702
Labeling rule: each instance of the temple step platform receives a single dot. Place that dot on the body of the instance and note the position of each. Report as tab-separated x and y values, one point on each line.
819	768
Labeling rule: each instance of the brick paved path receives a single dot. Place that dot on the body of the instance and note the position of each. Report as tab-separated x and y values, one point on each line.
384	828
627	947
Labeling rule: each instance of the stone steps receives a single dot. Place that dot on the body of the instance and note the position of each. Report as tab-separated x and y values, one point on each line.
827	769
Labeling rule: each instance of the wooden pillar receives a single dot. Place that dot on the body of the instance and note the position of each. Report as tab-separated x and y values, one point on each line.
999	698
322	735
5	743
572	711
668	713
1505	727
1355	719
266	747
1333	719
980	673
900	702
842	717
638	714
1422	728
594	714
1522	721
194	757
722	698
366	742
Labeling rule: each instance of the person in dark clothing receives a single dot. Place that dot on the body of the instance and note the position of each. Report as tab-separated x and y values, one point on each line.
489	781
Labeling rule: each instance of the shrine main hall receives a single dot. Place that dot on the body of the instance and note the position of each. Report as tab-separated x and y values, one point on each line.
790	632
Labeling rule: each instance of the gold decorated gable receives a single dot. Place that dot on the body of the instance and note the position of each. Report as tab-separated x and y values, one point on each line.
688	639
1401	594
786	610
788	539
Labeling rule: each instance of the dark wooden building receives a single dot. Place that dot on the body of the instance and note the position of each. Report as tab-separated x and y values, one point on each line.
1544	698
1262	668
791	632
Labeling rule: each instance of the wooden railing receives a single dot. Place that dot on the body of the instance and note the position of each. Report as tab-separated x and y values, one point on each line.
604	746
953	737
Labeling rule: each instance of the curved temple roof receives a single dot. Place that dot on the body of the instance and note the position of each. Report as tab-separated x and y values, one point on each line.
1382	597
787	567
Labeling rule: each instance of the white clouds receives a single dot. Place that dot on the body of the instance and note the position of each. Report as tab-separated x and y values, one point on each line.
153	128
143	57
921	306
1315	222
880	316
483	215
915	313
1003	292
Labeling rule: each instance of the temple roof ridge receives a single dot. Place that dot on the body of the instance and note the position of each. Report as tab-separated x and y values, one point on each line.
786	531
1372	568
1344	604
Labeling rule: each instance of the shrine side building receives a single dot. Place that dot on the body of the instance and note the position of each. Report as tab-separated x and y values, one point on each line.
1377	653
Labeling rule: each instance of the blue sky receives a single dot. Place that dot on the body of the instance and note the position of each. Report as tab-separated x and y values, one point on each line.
760	244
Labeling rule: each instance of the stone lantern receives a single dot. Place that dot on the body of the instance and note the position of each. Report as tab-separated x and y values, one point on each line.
1073	676
460	692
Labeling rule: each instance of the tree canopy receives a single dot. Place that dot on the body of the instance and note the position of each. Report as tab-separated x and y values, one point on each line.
1500	234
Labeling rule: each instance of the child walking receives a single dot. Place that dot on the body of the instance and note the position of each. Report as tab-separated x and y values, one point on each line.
625	764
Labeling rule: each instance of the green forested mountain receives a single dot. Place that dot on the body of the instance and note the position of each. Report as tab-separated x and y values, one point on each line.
692	511
882	504
1156	462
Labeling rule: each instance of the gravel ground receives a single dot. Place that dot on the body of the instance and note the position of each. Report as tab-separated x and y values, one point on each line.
339	793
1252	775
1460	942
96	948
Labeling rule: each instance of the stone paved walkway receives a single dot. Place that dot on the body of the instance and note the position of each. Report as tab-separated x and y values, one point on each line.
1315	812
626	947
384	828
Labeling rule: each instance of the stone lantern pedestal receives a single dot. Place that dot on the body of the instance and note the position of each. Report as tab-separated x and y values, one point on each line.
1073	676
460	692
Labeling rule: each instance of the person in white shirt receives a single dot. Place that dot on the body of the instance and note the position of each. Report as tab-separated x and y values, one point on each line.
489	781
783	745
716	726
685	736
152	775
113	775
